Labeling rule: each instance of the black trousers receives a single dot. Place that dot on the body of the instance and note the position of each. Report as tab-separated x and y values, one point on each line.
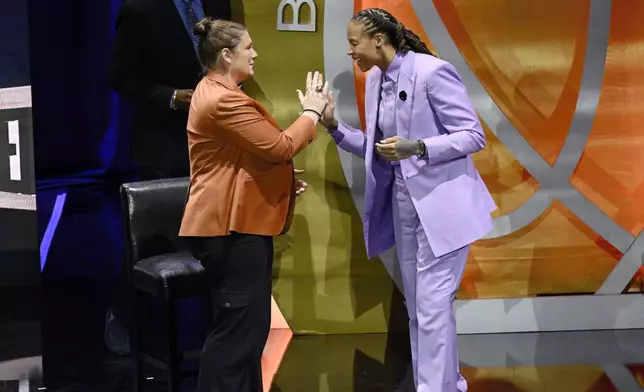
239	271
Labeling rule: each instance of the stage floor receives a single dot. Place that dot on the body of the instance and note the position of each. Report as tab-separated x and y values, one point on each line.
76	360
603	361
78	283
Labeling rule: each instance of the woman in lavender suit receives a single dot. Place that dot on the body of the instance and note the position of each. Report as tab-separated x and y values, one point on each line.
423	193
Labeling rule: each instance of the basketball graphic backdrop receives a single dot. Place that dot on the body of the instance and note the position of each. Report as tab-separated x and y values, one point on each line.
556	93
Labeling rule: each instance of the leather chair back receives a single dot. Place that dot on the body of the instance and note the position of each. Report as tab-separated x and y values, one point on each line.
152	212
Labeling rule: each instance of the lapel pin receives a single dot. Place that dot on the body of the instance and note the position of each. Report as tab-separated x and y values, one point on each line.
402	96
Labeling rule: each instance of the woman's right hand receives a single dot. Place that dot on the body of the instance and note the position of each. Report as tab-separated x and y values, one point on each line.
328	115
316	95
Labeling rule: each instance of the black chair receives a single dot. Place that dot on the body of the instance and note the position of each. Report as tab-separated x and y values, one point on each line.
159	267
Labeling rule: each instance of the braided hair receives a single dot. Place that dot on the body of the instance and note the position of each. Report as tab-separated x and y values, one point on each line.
376	20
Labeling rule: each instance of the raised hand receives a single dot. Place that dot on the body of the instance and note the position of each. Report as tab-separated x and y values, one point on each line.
328	116
315	98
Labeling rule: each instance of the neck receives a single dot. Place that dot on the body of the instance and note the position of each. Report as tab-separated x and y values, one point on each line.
227	74
387	57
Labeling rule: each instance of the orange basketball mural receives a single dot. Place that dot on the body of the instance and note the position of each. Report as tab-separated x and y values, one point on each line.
530	62
557	86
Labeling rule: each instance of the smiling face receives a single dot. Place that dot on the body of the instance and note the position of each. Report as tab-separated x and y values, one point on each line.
363	48
241	59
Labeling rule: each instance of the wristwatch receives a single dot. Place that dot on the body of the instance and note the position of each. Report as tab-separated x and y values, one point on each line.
422	149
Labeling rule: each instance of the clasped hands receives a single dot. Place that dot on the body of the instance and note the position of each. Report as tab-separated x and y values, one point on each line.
393	148
315	100
397	148
319	98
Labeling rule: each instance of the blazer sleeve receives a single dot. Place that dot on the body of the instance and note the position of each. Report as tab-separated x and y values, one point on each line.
126	74
237	119
448	96
350	139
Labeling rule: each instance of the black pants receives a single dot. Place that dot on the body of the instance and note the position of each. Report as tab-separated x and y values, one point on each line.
239	270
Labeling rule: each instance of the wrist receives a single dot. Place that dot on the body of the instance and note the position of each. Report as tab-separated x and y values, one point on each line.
421	149
331	125
313	111
310	114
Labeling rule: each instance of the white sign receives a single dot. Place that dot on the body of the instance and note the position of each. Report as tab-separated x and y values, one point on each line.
14	160
295	6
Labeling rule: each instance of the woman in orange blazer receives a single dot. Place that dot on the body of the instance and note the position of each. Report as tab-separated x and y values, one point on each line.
242	193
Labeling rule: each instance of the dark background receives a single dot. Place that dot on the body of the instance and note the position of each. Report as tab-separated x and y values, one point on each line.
81	131
20	278
19	265
14	44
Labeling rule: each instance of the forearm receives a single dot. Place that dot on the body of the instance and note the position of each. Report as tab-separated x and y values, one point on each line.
141	92
236	117
348	138
453	146
296	138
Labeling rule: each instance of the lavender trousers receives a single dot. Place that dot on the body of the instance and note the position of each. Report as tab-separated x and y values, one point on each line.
430	284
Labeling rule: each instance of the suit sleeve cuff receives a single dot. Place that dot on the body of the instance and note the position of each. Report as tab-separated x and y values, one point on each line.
336	134
433	149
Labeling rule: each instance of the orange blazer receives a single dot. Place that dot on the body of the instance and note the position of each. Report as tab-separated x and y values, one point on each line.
241	173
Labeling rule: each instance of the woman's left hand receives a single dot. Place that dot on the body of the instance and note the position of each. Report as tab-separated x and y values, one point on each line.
396	148
300	186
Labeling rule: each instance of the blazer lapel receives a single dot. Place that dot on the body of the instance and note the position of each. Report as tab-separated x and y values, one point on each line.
372	96
372	99
405	95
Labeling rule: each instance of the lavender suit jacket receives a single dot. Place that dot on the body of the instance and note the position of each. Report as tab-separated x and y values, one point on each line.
452	202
